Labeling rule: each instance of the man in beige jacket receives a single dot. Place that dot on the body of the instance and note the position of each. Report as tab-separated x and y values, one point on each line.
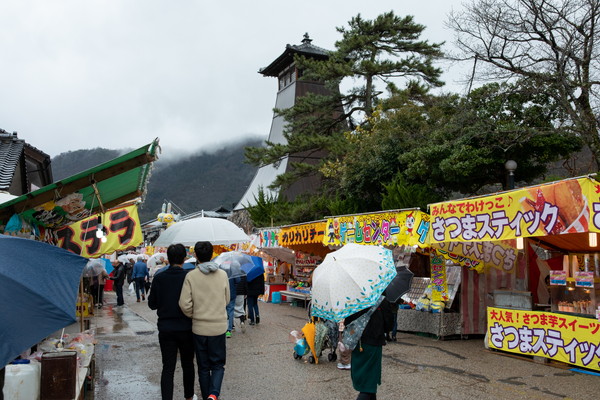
204	297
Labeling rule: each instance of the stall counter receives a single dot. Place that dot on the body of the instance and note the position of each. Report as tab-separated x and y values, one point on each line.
271	288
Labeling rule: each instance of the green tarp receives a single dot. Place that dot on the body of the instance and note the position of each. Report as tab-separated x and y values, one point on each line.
86	193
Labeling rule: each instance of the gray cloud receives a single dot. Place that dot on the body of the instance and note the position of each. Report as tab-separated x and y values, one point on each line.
117	74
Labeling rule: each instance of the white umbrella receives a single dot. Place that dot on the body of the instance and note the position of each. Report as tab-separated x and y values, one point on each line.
350	279
156	262
93	267
218	231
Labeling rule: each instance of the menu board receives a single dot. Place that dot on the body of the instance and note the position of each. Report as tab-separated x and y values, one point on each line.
558	278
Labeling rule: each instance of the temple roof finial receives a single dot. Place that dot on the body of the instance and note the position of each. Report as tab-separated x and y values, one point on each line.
306	39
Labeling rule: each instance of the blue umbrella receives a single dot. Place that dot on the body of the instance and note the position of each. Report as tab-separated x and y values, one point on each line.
38	292
188	265
234	262
255	269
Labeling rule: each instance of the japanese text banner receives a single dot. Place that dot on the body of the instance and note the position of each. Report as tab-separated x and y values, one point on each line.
302	234
439	291
569	339
551	209
476	256
386	228
268	238
122	231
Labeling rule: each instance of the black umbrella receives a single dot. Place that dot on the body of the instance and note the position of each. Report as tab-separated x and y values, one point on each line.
399	285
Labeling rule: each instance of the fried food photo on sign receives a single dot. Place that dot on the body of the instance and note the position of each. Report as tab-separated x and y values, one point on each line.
567	196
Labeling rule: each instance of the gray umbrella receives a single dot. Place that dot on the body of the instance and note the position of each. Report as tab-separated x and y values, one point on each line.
399	285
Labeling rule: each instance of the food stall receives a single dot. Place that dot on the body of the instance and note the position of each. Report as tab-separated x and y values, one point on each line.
405	232
306	241
266	242
296	250
546	237
85	214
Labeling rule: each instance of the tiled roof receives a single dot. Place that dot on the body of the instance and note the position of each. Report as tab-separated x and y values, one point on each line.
308	48
285	60
11	148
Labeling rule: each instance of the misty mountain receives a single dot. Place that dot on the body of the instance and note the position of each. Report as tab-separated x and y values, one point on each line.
202	181
73	162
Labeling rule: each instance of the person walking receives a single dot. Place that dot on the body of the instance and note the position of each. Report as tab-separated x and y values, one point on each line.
119	279
98	283
367	355
204	297
234	280
139	276
174	327
241	290
256	287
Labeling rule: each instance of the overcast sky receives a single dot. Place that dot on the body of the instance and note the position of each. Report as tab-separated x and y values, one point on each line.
118	73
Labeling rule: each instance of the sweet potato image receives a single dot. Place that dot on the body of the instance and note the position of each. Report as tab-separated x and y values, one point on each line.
570	201
541	196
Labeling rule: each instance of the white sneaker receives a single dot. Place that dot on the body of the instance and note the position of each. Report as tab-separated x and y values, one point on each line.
341	366
347	366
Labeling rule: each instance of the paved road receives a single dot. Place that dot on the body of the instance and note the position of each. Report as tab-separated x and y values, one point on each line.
260	365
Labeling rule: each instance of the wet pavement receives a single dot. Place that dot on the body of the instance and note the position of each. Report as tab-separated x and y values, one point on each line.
260	364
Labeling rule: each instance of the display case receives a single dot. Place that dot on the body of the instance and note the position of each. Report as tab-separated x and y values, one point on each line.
575	299
576	287
303	273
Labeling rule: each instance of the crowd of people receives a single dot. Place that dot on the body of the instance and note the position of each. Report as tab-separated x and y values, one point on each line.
197	307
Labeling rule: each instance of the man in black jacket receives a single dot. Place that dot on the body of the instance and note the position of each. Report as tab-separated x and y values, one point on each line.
119	278
256	287
174	328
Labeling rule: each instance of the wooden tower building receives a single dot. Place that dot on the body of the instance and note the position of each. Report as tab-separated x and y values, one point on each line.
289	89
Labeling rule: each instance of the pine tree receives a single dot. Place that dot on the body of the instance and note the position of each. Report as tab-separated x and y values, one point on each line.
369	51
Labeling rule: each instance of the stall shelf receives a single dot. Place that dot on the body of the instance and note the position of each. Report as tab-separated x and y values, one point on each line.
575	300
306	297
440	324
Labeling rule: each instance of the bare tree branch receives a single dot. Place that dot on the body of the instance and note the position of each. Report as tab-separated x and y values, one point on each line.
552	43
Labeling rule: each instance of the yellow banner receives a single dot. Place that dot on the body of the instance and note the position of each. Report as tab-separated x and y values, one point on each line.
439	291
556	208
477	255
569	339
121	227
385	228
302	234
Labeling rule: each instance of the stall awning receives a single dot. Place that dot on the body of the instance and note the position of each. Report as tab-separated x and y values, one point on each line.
546	212
385	228
281	241
87	193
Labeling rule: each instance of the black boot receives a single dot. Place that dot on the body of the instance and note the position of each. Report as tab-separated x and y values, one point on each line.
257	319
